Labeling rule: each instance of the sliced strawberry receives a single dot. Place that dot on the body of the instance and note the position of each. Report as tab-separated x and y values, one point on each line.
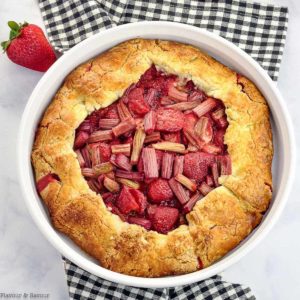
164	218
169	120
137	103
124	98
126	201
196	165
85	126
140	221
110	112
105	152
159	190
189	121
111	207
174	137
81	139
150	74
140	199
44	181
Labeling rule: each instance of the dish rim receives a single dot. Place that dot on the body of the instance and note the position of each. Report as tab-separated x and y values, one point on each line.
26	137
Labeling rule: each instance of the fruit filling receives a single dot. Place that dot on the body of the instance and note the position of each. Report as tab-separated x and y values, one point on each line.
156	151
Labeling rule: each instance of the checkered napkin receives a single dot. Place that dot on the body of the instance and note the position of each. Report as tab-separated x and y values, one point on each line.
258	29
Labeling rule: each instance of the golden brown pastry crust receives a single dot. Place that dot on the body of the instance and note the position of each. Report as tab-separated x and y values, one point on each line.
217	223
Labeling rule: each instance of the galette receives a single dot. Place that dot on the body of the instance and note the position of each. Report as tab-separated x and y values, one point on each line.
155	158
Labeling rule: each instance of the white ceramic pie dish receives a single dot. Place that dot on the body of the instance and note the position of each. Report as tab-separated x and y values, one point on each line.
224	51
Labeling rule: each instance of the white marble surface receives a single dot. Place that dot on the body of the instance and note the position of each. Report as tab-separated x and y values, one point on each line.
28	263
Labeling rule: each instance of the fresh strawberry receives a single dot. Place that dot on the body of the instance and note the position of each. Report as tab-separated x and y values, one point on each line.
137	103
169	120
159	190
164	218
27	46
196	165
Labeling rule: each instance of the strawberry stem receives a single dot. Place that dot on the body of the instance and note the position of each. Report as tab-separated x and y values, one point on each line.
15	31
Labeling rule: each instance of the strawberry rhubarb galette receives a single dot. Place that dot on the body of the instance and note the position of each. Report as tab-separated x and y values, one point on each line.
155	158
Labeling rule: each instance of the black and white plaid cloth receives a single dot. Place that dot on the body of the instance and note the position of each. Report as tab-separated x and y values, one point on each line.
258	29
85	286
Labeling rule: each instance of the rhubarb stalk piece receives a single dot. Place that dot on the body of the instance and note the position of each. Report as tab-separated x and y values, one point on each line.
111	185
150	163
138	176
170	146
121	148
188	183
108	123
191	203
124	127
100	136
178	165
149	122
123	111
167	165
179	191
138	142
130	183
153	137
205	107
